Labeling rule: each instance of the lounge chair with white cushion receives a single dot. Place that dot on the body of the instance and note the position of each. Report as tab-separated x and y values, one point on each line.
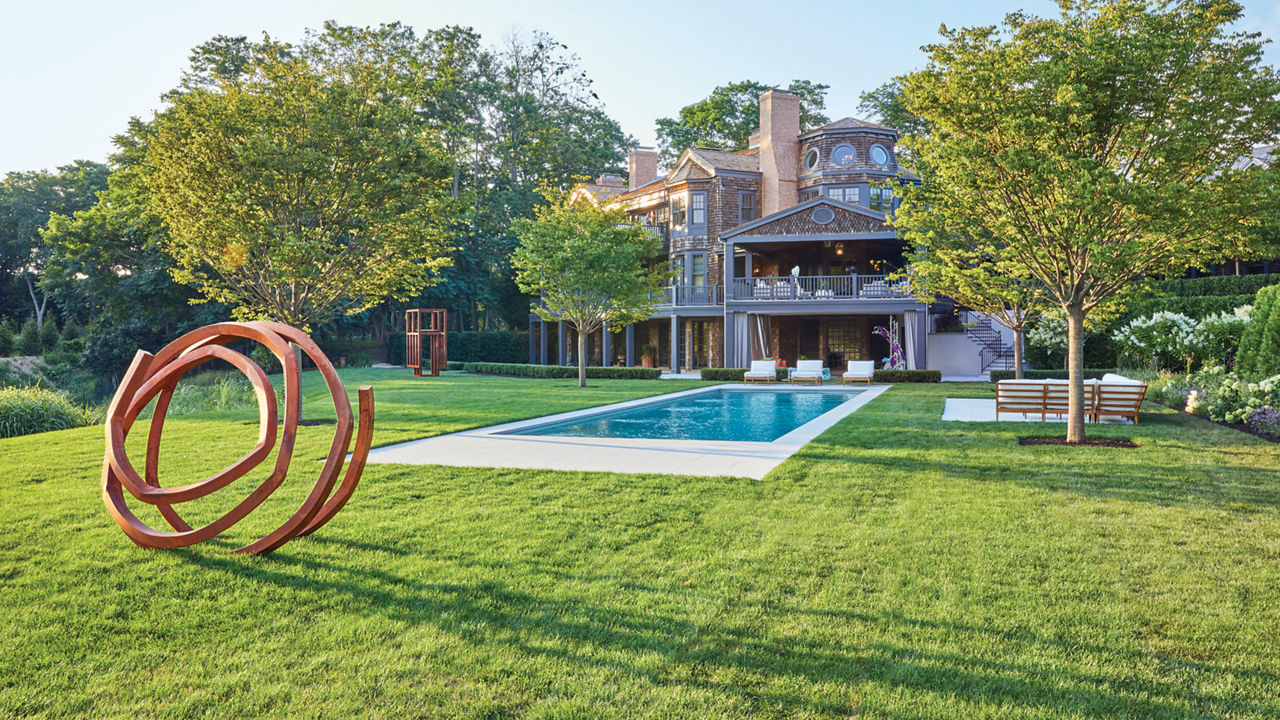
1119	397
861	370
761	371
809	370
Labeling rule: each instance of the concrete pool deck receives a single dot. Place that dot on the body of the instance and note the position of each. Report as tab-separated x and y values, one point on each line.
489	447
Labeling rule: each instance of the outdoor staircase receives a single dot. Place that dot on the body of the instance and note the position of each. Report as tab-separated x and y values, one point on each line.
995	354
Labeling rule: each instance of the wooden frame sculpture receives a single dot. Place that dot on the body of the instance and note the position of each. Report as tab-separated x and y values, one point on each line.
432	325
156	376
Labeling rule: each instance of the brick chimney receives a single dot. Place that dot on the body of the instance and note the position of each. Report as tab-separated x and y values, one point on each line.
779	149
642	166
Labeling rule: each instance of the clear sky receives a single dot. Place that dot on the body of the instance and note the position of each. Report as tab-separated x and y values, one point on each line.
72	73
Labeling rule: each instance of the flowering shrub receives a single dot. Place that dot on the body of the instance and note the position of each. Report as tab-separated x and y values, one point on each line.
1217	337
1164	340
1266	420
1219	394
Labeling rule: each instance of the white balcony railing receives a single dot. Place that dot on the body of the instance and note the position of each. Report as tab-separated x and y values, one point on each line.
821	287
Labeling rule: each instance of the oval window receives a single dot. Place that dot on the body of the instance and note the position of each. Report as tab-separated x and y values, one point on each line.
879	155
810	159
822	215
843	156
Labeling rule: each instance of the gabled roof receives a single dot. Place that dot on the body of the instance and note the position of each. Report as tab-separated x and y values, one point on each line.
803	207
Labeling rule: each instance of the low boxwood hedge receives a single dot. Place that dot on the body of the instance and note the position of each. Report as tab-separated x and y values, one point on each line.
1059	374
907	376
561	371
734	374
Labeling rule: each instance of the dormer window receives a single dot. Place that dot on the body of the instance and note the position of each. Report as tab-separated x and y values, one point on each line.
879	155
843	156
677	211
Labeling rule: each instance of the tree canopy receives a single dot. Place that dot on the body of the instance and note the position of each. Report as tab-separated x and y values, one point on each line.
727	117
299	189
1094	149
27	200
588	266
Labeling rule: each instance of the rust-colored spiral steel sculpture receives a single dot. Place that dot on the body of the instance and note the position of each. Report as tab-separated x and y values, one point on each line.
156	376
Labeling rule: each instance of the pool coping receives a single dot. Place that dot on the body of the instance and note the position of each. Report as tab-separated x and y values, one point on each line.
494	446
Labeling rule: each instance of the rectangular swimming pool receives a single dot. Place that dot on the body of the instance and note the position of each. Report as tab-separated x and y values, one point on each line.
734	414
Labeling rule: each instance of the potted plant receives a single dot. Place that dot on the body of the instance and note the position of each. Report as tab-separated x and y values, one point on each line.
648	354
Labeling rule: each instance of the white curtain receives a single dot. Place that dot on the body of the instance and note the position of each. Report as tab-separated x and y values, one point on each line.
909	334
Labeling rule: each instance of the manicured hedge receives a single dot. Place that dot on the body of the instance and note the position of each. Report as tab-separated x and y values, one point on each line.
1194	307
454	365
907	376
1218	285
560	371
493	346
1060	374
734	374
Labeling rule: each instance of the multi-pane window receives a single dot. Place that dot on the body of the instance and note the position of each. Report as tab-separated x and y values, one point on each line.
698	209
882	199
746	206
846	193
677	270
677	211
698	270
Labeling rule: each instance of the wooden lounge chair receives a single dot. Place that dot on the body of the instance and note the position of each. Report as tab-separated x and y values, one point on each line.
1119	396
761	371
859	370
809	370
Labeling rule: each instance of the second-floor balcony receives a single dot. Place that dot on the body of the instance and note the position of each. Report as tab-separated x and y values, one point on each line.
822	287
692	295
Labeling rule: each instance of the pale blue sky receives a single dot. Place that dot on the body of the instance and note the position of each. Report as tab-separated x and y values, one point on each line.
72	73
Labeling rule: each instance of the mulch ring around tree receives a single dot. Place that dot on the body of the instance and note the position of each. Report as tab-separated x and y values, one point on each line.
1090	442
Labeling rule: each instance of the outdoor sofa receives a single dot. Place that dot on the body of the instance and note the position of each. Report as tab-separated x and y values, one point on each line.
1115	396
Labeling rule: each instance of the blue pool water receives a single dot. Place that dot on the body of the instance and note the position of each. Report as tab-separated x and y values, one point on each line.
722	414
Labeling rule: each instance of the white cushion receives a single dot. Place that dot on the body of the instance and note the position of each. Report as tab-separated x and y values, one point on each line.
809	366
860	369
762	367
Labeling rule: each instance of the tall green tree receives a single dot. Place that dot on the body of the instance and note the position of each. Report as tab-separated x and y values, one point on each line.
959	267
727	117
298	189
588	266
27	200
107	263
1095	148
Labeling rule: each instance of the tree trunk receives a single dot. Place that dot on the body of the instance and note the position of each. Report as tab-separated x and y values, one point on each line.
1075	373
39	304
582	359
1017	353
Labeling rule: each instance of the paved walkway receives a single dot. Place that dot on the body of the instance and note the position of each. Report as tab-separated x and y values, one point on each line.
489	447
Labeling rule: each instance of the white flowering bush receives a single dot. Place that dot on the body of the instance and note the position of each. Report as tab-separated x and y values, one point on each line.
1218	394
1217	337
1164	340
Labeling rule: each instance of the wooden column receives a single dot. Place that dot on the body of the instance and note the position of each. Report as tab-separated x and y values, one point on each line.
631	345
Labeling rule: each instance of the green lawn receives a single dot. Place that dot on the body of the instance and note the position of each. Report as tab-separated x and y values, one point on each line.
897	567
